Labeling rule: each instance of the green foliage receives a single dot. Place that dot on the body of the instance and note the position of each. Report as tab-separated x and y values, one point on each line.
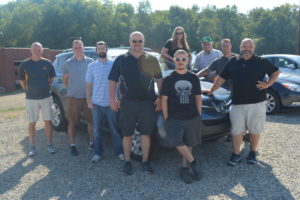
55	23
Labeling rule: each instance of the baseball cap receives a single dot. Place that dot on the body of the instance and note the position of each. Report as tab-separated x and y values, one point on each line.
206	39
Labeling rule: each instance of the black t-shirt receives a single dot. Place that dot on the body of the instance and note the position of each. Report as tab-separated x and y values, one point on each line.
36	75
181	90
172	48
244	75
136	75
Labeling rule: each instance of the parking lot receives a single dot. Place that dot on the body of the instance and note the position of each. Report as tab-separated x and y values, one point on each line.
61	176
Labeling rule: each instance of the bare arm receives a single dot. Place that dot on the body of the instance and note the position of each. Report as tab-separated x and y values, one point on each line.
88	91
164	104
218	82
66	80
199	103
264	85
114	103
164	53
22	82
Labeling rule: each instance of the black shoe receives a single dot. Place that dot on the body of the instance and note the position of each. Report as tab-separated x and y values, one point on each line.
127	169
146	166
196	170
251	159
185	175
234	160
74	151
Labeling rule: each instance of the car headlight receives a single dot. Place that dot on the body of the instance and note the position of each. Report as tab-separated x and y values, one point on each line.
291	86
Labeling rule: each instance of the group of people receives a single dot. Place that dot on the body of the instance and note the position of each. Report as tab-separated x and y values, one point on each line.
122	92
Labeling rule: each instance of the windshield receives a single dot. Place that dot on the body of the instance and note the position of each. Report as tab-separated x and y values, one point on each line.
297	59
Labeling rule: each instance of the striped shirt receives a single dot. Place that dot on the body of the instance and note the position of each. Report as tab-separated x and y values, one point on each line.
97	74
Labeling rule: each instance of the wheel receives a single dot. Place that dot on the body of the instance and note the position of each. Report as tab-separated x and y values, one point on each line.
59	121
273	102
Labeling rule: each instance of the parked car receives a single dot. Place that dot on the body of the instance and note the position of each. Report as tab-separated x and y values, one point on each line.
215	120
285	92
287	63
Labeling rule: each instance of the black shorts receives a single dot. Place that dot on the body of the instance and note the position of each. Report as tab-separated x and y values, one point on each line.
183	132
138	114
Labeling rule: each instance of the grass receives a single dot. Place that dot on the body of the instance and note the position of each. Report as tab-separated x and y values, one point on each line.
20	108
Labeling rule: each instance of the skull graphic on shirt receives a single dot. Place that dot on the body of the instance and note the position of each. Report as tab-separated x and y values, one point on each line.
183	89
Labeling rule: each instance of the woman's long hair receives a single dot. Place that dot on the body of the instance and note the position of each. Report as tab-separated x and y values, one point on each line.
183	39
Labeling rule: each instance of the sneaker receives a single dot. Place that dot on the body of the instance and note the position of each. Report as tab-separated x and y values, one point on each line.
127	169
96	159
234	160
196	170
251	159
185	175
51	149
32	152
91	147
121	157
74	151
146	166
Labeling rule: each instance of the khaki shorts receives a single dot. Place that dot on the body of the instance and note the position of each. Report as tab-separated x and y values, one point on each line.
249	117
34	106
75	107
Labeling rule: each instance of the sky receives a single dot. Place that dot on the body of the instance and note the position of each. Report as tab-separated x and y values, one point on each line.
242	5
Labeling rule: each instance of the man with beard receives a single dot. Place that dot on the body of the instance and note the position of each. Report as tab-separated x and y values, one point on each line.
97	96
248	112
181	106
74	70
137	71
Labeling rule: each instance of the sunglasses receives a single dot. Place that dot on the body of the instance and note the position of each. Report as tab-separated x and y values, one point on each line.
180	59
138	41
179	33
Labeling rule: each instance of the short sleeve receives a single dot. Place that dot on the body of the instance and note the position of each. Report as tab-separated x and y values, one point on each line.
165	88
269	67
22	72
196	86
51	70
156	69
168	44
115	70
65	68
225	74
89	74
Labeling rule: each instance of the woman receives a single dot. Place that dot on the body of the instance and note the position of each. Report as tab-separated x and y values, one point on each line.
176	42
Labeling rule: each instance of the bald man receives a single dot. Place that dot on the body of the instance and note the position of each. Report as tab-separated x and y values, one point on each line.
137	70
36	74
248	112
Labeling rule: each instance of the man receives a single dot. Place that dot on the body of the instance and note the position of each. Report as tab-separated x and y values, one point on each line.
218	64
74	70
248	112
181	106
36	75
206	56
137	71
97	92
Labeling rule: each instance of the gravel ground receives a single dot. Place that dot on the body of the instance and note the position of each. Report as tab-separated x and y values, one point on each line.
61	176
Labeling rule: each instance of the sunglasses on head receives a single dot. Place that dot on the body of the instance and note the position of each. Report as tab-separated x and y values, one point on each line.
180	59
179	33
137	41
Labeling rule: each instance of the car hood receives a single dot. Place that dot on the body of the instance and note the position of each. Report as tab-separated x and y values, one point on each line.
288	78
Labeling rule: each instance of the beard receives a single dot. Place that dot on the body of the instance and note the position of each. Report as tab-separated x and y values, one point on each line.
102	55
246	53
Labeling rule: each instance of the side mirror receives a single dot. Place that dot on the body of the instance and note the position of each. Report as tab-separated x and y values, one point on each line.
291	66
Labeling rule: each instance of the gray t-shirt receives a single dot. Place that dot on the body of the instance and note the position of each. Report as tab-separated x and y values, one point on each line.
76	71
36	75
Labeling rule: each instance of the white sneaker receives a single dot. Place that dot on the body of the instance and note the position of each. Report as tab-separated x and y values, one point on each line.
32	152
51	149
96	159
121	156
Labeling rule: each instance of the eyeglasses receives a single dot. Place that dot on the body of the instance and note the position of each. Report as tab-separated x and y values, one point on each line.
137	41
179	33
180	59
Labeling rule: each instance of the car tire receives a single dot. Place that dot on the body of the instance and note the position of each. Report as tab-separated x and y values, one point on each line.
59	122
273	102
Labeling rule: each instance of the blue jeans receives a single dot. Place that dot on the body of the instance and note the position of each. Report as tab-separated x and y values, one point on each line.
99	114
